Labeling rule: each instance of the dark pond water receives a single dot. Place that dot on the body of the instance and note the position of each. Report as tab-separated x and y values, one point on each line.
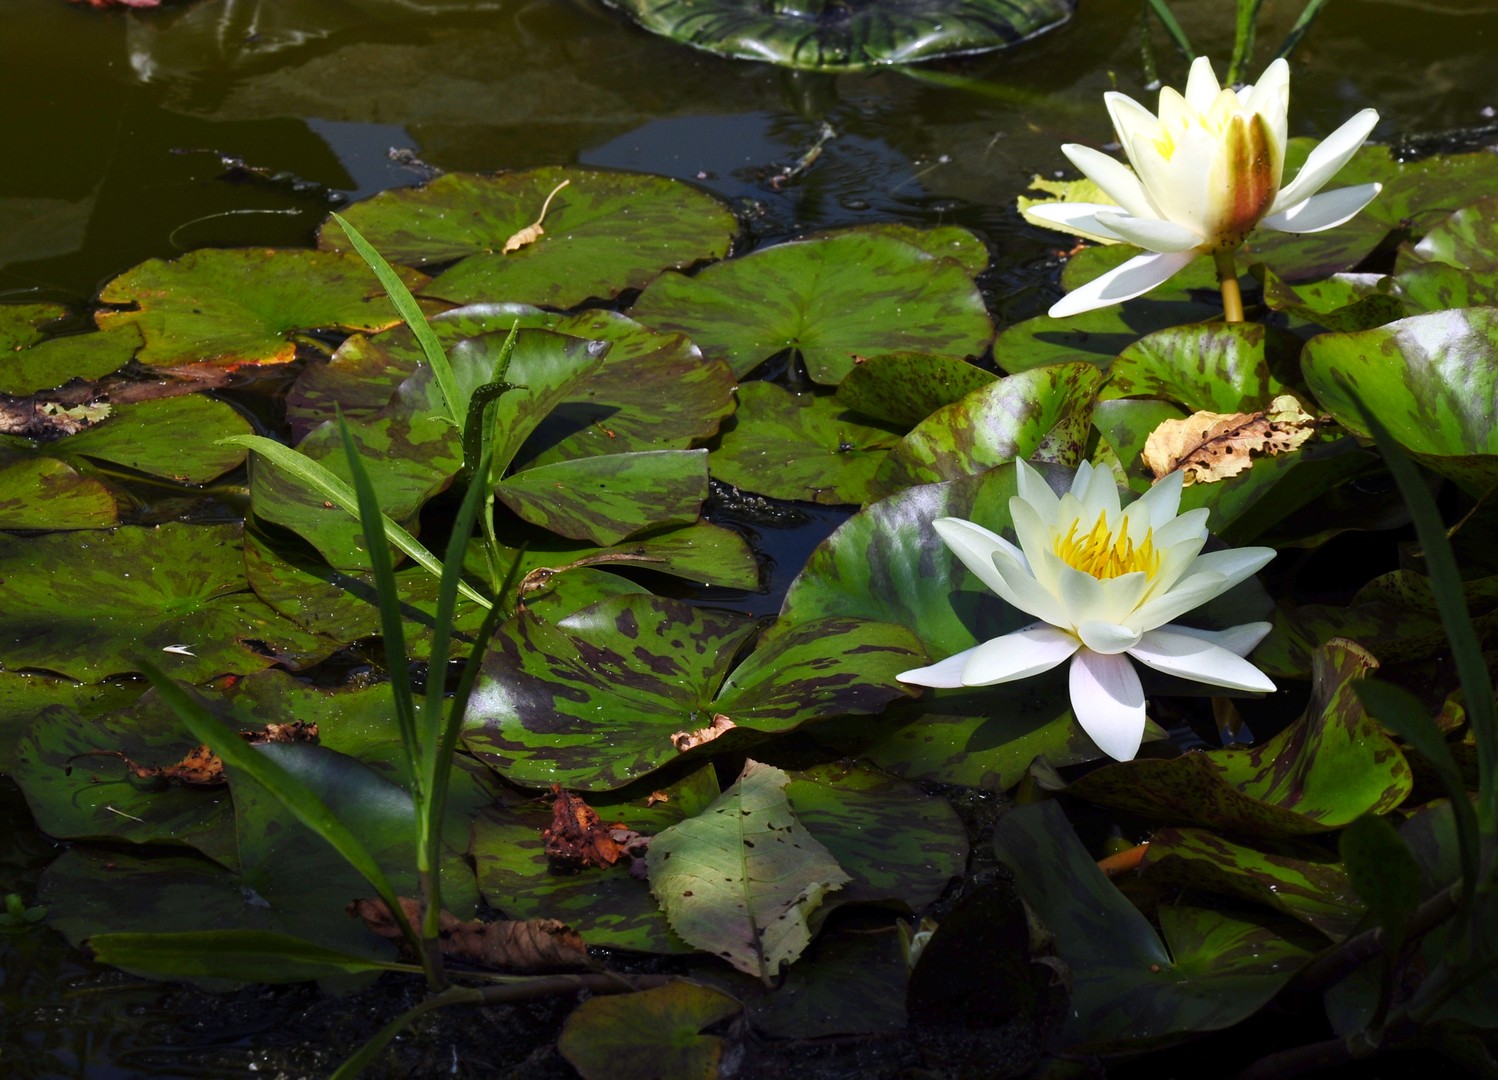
238	122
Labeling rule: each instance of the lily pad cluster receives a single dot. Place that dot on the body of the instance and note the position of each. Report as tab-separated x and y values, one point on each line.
615	373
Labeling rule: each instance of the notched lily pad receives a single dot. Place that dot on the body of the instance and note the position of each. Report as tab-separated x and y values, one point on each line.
53	362
217	308
853	293
605	232
848	36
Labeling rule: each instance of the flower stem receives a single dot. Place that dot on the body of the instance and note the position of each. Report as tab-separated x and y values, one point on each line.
1227	281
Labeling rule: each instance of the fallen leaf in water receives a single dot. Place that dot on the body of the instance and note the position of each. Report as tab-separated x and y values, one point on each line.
532	232
527	945
1209	446
201	767
685	740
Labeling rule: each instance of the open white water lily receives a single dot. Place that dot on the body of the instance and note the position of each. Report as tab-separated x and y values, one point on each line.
1206	171
1104	581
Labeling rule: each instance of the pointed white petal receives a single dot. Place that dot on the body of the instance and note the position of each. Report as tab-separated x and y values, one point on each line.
1098	492
1034	533
1324	211
1076	217
1149	233
1162	502
1107	638
1131	121
1202	86
1033	489
1113	176
1024	590
1240	640
1019	655
1137	276
1190	592
1200	661
1270	98
944	674
974	546
1108	699
1234	564
1325	160
1187	526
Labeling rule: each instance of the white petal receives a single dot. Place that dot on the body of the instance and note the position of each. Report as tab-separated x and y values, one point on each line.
1035	533
1200	661
1076	217
1202	86
1324	161
1108	700
1137	276
944	674
1270	98
1024	590
1098	492
1234	564
1191	524
1090	599
1324	211
1240	640
974	546
1162	502
1190	592
1115	178
1019	655
1107	638
1033	489
1131	121
1176	561
1149	233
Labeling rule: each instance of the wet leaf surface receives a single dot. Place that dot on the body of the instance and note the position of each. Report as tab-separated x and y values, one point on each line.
651	1035
45	493
902	389
41	365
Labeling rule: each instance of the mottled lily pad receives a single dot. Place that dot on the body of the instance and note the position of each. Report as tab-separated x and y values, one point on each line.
847	294
1432	381
23	696
88	606
905	388
45	493
21	324
651	1035
175	439
228	308
848	36
799	446
1216	367
603	233
45	364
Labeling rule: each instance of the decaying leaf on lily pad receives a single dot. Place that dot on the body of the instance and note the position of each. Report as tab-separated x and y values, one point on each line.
528	945
578	838
685	740
200	766
1210	446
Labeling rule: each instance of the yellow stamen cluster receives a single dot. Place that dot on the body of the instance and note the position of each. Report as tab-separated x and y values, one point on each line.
1104	555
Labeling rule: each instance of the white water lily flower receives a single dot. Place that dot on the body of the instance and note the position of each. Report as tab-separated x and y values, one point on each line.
1104	582
1206	171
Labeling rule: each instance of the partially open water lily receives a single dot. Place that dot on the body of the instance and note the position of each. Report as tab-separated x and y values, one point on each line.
1206	171
1104	581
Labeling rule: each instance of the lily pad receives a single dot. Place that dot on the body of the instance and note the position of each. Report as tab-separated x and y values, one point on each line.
45	364
21	324
1213	367
176	438
847	294
651	1035
804	447
593	701
1340	302
45	493
904	388
1042	415
1127	985
822	36
603	233
24	695
1330	767
88	606
229	308
1432	381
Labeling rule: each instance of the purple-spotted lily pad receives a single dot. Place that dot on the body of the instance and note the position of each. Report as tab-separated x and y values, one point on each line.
229	308
1432	381
1331	766
603	233
848	36
1216	367
846	294
805	447
1129	985
904	388
592	701
88	606
45	493
23	696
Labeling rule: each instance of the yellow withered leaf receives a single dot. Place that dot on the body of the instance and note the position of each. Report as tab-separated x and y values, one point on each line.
532	232
1208	446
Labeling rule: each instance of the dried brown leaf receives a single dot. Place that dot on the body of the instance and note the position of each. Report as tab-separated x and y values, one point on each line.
201	767
577	838
532	232
1208	446
685	740
528	945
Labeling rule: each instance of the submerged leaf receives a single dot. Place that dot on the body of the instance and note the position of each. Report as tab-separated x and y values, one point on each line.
519	945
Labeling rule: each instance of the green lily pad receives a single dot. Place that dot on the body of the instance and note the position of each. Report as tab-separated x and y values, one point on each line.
938	241
88	606
651	1035
21	324
24	695
44	493
1340	302
1128	987
1330	767
593	701
804	447
228	308
1309	885
1042	415
851	293
1421	191
603	233
1439	287
173	438
1213	367
45	364
1430	379
823	36
902	389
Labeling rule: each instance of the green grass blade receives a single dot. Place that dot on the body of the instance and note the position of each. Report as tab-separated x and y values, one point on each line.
391	626
299	800
410	311
250	955
1168	20
1307	17
1243	39
331	487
